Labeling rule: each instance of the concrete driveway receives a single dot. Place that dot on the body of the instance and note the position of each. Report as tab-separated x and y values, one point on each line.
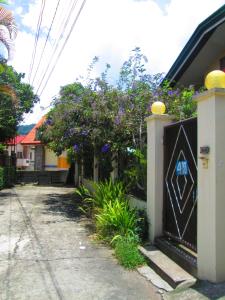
46	251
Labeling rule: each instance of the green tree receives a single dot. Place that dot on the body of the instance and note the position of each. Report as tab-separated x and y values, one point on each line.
16	98
112	119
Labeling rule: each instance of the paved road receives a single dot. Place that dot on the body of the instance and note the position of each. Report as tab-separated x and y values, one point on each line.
46	253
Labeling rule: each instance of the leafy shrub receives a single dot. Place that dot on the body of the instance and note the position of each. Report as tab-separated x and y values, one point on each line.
142	225
115	221
102	193
7	176
116	218
134	172
2	148
127	253
108	191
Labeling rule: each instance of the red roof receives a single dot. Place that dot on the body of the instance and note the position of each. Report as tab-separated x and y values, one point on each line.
15	141
30	138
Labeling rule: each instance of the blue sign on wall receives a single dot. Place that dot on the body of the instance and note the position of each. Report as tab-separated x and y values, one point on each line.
182	167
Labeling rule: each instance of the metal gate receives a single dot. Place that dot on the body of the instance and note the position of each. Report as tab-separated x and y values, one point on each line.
180	182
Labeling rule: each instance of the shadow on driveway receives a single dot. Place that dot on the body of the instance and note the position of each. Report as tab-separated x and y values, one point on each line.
67	205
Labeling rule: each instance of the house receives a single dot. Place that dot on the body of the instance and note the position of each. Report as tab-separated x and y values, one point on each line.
204	52
14	146
33	155
42	158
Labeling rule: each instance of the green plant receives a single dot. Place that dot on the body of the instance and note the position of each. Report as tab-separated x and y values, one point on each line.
127	253
109	206
107	191
142	225
2	148
116	218
87	199
134	174
115	221
83	192
7	176
103	192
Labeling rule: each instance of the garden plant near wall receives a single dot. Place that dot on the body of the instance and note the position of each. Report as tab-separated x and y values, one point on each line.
7	176
110	120
116	223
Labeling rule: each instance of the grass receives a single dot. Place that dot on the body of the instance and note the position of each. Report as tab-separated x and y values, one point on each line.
128	254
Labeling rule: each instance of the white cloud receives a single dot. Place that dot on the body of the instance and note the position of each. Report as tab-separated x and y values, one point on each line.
19	10
111	29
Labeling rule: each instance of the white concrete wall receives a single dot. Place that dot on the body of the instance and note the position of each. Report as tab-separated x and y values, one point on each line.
137	203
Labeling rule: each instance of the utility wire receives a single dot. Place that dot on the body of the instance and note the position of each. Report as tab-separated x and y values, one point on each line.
62	26
49	31
65	42
63	17
36	38
56	45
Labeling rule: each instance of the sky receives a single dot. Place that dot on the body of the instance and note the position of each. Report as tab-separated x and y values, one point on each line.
109	29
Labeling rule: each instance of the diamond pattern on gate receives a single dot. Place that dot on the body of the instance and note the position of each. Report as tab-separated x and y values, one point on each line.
180	191
173	185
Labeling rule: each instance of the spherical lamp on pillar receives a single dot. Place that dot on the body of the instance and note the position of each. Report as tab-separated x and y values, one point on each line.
158	108
215	79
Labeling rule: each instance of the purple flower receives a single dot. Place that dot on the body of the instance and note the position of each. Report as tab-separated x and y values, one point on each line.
173	93
48	122
75	147
84	132
121	111
93	105
117	120
105	148
170	93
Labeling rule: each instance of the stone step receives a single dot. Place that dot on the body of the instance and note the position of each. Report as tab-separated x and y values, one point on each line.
167	268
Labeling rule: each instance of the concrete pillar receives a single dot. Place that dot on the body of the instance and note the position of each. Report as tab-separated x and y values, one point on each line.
39	158
114	173
155	127
96	169
211	185
76	174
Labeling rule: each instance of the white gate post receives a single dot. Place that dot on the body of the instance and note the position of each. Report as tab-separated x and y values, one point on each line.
155	127
211	185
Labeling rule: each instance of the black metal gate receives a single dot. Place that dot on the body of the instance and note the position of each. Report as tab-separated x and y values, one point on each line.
180	182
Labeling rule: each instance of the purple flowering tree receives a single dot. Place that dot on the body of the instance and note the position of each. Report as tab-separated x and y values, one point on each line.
109	120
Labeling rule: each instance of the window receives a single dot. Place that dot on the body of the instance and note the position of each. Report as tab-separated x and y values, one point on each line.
19	155
30	155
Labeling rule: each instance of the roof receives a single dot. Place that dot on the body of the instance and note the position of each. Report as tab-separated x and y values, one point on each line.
198	40
30	138
15	141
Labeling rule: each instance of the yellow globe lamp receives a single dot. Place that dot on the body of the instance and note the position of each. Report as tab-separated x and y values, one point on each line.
158	108
215	79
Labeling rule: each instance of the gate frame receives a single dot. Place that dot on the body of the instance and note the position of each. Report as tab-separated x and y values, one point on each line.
166	233
211	178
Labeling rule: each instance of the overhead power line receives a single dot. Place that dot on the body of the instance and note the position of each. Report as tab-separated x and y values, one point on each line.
46	40
57	43
36	38
64	44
